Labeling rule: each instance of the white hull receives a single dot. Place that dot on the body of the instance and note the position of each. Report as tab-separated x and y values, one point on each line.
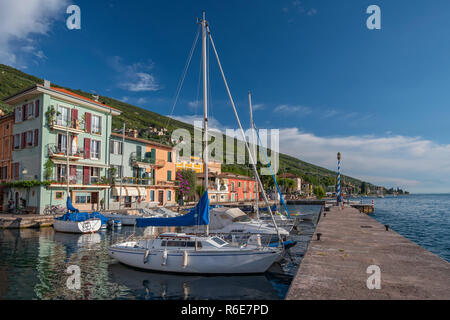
88	226
236	261
126	220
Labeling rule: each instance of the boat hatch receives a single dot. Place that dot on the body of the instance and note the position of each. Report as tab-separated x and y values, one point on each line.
218	241
177	243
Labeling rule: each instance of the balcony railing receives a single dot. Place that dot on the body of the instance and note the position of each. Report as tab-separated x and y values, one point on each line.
72	126
57	151
136	181
137	161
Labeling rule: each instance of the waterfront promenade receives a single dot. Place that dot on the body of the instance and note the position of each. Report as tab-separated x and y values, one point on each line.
335	267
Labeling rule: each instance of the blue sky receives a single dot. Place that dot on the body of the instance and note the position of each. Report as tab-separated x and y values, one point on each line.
315	71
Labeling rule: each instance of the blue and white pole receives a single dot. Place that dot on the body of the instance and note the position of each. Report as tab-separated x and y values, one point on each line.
339	195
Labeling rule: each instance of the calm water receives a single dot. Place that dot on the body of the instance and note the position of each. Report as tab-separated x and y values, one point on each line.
33	264
424	219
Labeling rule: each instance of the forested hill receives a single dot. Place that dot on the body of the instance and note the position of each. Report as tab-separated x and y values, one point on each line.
13	80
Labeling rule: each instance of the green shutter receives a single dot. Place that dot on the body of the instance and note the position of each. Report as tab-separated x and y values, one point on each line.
169	175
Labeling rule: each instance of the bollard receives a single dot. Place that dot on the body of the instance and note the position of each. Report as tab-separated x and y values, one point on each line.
387	227
318	236
324	214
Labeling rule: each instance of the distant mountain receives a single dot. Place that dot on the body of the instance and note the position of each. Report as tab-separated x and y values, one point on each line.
13	80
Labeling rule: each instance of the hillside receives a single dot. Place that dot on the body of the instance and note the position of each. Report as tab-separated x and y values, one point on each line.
13	80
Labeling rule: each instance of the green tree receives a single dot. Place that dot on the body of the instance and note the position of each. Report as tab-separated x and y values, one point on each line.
319	192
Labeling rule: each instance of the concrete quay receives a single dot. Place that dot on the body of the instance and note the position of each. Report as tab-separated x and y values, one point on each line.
18	221
336	266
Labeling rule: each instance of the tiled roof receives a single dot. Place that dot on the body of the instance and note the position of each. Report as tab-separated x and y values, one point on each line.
81	97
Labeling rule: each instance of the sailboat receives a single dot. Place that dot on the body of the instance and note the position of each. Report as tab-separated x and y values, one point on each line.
78	222
185	253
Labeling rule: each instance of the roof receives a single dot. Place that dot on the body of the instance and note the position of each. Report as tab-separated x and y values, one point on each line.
226	175
119	135
6	116
30	92
81	97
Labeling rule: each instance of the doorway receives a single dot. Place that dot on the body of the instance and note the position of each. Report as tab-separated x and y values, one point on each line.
161	197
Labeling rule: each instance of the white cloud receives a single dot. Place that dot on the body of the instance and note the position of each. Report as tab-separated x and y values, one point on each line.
213	123
286	108
257	106
20	21
413	163
135	77
141	100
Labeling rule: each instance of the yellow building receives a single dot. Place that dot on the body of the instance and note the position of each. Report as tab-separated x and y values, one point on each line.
196	164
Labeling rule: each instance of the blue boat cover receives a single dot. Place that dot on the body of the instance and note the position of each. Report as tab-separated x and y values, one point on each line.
83	216
70	207
199	215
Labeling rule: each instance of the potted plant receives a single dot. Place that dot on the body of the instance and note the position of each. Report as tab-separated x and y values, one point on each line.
51	113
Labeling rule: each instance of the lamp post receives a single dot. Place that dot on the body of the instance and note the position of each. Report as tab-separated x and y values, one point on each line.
339	196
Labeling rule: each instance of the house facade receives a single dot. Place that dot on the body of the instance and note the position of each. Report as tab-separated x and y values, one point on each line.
63	138
148	173
6	144
228	187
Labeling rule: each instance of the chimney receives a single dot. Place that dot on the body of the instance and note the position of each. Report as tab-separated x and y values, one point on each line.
135	133
1	113
47	83
95	97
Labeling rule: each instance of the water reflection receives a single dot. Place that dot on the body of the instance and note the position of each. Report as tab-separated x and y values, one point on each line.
33	264
153	285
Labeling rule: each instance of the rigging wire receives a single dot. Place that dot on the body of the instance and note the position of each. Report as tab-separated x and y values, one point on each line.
181	81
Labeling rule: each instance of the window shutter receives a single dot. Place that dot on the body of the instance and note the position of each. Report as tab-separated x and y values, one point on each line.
24	112
36	108
24	140
74	117
13	142
17	171
88	122
87	148
86	175
36	137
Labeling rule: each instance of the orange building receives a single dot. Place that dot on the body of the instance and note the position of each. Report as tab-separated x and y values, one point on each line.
163	188
6	144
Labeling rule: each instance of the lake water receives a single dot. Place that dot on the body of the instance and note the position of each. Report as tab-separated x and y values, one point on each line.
424	219
33	264
33	261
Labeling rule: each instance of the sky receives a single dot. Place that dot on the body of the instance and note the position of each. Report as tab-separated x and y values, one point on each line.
316	72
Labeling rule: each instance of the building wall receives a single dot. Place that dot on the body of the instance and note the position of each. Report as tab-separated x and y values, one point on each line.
6	141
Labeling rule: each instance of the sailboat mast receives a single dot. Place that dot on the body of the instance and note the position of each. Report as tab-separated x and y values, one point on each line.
205	104
252	127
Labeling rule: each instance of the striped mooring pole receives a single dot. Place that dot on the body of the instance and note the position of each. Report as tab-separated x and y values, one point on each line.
339	195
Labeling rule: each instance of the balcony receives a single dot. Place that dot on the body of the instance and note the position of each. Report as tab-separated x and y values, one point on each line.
70	126
77	180
58	152
135	181
145	162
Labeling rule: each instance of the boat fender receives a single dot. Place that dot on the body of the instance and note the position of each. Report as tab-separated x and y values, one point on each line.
185	259
146	255
164	258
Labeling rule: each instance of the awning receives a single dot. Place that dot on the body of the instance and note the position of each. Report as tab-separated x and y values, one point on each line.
142	191
116	191
133	192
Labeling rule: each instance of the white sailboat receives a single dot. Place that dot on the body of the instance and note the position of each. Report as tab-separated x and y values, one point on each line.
87	226
183	253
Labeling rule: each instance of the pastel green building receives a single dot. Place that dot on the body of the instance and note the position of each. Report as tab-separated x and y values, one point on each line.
62	138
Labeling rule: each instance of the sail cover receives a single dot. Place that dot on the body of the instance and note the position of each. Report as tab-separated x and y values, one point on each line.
199	215
70	207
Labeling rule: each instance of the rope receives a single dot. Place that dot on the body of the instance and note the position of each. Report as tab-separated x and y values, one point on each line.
181	81
273	176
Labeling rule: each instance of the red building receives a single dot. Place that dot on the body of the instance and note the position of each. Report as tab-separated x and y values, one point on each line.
229	187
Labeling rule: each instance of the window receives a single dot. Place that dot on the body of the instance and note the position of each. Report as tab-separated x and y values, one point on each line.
169	175
118	173
96	124
29	138
82	197
169	156
59	195
95	175
62	143
152	195
17	141
61	172
169	195
18	114
95	149
116	147
239	184
30	110
63	117
232	186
